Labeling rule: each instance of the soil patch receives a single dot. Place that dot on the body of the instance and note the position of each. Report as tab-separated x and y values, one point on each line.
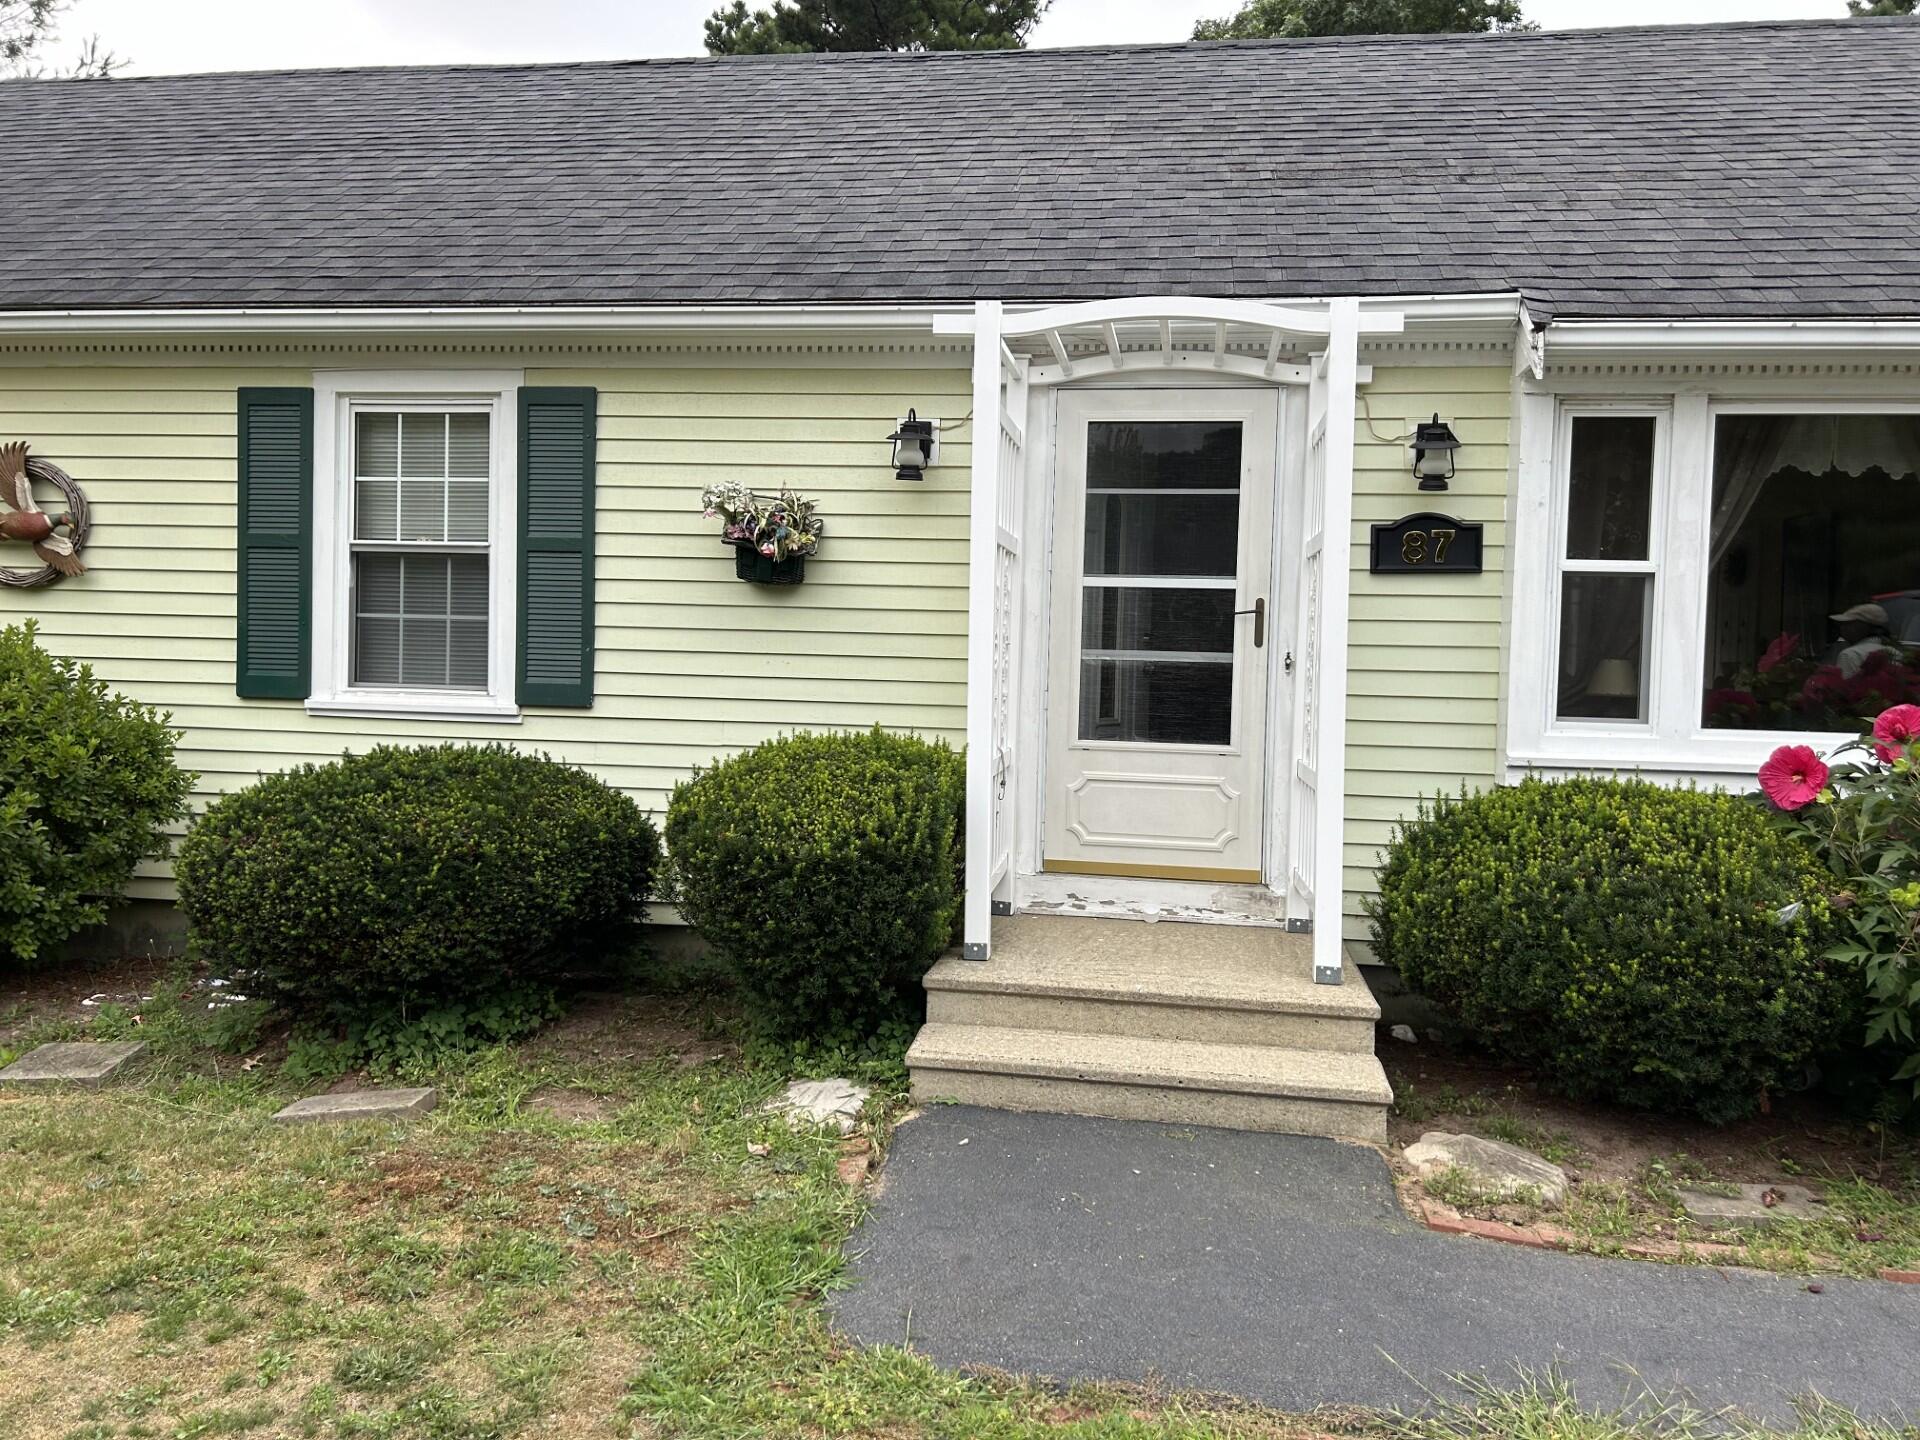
1442	1089
576	1106
75	991
607	1025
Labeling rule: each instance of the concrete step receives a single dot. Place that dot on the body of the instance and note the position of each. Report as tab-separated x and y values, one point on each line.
1208	983
1125	1077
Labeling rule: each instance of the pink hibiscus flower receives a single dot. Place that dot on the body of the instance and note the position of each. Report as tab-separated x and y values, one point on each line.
1793	777
1895	730
1781	649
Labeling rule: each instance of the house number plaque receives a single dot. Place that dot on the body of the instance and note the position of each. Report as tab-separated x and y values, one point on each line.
1418	544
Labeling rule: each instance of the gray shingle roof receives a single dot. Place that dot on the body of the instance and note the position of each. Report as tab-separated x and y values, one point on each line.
1744	170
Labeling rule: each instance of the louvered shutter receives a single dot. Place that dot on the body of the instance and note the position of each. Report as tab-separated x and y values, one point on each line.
555	665
274	626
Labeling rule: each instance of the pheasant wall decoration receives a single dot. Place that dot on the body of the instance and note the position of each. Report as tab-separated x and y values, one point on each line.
55	538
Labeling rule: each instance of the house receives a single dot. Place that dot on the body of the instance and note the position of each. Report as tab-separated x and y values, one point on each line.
1317	425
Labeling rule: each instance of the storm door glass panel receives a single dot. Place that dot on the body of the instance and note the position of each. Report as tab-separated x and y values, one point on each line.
1161	550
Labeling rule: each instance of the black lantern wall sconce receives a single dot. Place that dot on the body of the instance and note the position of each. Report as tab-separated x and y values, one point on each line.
914	447
1434	444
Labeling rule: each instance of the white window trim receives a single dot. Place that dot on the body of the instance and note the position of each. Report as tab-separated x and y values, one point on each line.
336	394
1673	741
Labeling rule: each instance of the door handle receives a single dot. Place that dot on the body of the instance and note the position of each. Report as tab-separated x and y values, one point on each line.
1259	613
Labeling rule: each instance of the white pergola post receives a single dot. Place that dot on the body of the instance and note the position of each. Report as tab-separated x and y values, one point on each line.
1330	705
992	552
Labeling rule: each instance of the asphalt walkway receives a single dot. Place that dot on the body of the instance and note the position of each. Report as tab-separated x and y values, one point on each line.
1282	1270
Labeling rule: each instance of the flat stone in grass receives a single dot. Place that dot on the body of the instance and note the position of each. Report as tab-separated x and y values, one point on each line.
1750	1207
73	1062
1492	1165
360	1105
834	1103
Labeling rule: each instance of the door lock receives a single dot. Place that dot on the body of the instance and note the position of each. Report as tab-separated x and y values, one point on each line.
1259	613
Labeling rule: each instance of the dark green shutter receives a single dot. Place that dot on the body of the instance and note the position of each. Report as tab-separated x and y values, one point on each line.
556	546
274	633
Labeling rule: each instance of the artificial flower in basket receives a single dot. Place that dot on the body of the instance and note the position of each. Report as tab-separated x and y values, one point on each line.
784	528
1859	808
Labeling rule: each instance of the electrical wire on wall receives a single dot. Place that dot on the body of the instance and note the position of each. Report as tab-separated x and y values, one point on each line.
1366	413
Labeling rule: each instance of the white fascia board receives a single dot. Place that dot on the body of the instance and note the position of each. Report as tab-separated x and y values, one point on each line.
614	320
630	321
1588	339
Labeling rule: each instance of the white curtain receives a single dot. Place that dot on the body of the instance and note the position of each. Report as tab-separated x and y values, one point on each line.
1816	444
1741	471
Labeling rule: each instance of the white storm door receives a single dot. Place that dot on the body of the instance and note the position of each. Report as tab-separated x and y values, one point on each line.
1162	631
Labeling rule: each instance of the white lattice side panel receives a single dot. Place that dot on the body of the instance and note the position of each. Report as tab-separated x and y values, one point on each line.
1304	806
1306	746
1009	489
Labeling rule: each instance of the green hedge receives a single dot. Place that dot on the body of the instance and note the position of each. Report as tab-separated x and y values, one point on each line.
88	785
1656	947
413	875
825	869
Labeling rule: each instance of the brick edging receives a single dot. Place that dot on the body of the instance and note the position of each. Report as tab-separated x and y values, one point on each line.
1445	1220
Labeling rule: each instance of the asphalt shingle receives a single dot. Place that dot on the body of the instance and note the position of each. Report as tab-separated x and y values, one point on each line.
1737	170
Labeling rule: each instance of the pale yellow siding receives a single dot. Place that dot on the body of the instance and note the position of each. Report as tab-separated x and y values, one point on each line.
1423	687
691	662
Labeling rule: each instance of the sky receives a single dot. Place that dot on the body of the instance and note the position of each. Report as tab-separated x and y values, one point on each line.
176	36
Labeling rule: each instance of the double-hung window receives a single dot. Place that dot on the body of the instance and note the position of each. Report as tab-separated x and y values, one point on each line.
1609	571
420	556
1718	571
415	587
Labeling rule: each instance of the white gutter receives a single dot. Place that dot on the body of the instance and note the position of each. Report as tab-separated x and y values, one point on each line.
471	319
1587	339
624	320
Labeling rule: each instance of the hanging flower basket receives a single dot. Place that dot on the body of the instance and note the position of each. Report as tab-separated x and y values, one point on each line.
750	565
771	537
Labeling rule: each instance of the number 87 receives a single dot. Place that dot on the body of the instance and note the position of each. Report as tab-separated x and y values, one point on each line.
1413	547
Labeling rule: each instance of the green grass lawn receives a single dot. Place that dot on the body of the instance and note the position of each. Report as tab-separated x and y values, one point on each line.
173	1265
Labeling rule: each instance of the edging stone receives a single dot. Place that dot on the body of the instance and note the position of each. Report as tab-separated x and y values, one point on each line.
359	1105
1492	1165
86	1063
1445	1220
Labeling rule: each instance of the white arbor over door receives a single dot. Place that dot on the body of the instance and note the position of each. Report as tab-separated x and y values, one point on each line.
1151	337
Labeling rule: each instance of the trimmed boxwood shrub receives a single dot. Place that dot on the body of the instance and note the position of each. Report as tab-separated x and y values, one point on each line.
1656	947
823	868
413	875
88	786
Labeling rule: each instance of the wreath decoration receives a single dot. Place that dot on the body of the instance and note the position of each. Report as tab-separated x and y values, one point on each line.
76	505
